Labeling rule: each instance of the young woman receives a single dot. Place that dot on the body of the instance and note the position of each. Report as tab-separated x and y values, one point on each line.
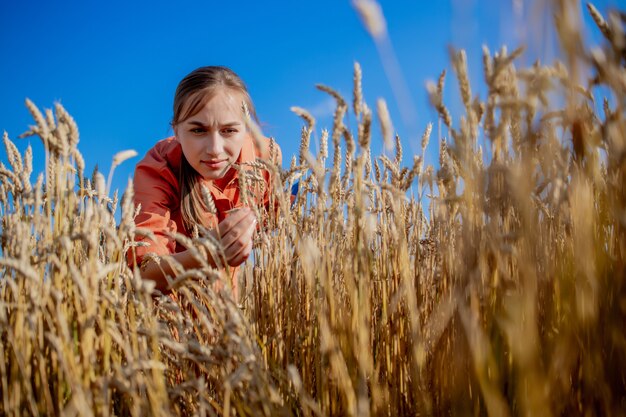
210	136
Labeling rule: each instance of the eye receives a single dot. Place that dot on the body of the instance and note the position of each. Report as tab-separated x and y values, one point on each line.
229	131
197	130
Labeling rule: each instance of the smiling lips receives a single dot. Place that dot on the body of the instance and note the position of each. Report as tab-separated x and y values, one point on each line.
214	163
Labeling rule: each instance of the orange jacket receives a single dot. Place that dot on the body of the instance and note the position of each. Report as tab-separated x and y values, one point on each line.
157	190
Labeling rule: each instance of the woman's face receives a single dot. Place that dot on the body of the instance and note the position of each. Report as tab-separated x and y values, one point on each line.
212	138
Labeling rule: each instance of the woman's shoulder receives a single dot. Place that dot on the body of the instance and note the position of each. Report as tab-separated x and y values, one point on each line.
159	168
165	155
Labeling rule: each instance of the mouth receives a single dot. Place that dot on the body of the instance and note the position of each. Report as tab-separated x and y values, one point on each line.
214	163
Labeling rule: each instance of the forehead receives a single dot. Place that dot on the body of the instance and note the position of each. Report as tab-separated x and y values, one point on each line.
218	103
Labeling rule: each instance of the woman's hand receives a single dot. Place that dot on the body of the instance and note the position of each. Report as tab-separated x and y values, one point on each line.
235	233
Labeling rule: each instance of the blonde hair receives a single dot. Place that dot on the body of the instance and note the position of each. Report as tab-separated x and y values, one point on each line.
192	94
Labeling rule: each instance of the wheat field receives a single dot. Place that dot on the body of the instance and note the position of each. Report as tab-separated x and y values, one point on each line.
490	283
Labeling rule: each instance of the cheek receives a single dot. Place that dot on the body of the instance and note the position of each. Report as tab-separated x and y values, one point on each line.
190	149
190	144
234	147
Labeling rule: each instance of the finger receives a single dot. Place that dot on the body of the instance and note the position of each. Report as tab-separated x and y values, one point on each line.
239	250
235	232
234	246
241	257
233	219
238	213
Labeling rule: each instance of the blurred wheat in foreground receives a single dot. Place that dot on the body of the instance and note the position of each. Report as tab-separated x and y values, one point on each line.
491	284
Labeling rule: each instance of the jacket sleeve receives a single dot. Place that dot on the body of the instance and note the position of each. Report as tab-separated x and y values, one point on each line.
156	190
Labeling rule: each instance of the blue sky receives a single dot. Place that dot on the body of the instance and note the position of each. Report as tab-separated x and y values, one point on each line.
115	65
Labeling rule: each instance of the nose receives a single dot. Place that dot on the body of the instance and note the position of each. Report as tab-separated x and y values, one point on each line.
214	144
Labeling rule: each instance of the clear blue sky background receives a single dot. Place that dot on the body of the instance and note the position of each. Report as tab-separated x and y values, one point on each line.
114	65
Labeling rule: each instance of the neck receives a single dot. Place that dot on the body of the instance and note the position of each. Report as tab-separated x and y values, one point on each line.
221	183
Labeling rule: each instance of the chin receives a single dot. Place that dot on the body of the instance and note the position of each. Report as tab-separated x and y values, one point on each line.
212	176
215	175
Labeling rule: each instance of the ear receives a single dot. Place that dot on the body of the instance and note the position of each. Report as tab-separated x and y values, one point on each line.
176	133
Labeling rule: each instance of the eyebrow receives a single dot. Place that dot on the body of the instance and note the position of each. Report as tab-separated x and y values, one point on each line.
197	123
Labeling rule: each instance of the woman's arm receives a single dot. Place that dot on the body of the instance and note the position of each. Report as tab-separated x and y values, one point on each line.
157	270
235	234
